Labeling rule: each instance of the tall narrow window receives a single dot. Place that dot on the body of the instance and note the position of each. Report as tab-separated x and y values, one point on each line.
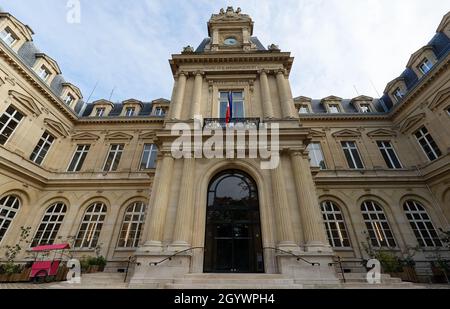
398	94
8	36
41	149
43	73
428	144
421	224
50	224
334	108
69	99
316	156
425	66
129	111
134	219
304	109
237	103
91	226
100	112
365	108
389	155
377	225
352	155
149	156
8	123
9	206
335	225
78	158
113	159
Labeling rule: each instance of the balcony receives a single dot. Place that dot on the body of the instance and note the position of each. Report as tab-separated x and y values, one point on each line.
236	123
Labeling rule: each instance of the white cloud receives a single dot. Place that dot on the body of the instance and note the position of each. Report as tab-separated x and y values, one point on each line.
338	44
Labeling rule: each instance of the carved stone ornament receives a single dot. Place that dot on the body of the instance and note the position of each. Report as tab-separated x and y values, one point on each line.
273	47
188	49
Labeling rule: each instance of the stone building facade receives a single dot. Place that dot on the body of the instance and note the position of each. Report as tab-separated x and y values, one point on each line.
102	175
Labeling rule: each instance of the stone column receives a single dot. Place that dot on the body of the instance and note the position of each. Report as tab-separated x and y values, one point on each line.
185	209
311	216
265	94
179	95
285	232
197	95
160	204
287	104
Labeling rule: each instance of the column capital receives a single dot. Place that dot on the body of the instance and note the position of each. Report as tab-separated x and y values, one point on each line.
181	73
281	72
198	73
263	71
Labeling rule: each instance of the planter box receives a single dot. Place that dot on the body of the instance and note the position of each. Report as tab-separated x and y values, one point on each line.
24	276
408	274
93	269
439	275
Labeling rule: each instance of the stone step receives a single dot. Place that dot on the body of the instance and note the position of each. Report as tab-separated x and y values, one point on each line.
234	286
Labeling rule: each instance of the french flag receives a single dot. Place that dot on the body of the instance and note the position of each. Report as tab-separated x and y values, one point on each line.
229	107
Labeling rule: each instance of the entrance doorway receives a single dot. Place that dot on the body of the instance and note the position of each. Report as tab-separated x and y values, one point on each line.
233	242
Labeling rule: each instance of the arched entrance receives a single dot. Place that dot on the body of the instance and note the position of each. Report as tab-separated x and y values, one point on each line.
233	241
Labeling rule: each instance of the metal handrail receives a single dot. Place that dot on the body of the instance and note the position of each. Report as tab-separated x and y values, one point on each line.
339	262
169	258
131	260
295	255
223	121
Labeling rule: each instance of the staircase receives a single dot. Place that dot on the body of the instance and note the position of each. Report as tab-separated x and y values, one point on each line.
103	280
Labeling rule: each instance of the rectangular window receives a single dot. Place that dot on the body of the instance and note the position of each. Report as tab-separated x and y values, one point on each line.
304	109
334	108
129	111
78	158
365	108
69	99
398	94
8	123
389	155
352	155
316	156
425	66
41	149
159	111
8	36
238	104
428	144
149	155
99	112
43	73
113	159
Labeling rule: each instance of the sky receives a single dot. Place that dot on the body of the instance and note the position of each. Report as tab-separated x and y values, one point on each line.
341	47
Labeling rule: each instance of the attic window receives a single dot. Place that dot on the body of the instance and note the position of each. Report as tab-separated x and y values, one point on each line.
130	111
44	73
69	99
425	66
304	109
334	108
100	112
159	111
8	36
365	108
398	94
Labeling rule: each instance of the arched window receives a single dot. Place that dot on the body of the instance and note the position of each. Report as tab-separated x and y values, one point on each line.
377	225
134	219
50	224
421	224
335	225
9	206
91	226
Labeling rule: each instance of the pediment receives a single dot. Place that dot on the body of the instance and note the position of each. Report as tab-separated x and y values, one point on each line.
317	133
56	127
26	102
411	121
147	135
52	62
331	98
85	136
118	136
302	99
161	101
362	98
441	97
346	133
381	133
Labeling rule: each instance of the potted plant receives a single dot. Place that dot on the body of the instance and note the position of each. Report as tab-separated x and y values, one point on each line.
93	264
11	271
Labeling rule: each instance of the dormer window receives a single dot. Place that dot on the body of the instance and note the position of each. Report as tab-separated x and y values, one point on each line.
130	111
69	99
44	73
425	66
334	108
398	94
304	109
365	108
100	112
159	111
8	36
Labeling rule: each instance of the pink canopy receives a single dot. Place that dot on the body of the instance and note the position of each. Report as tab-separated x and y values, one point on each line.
51	247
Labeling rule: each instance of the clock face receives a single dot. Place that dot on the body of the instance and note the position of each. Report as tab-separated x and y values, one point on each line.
230	41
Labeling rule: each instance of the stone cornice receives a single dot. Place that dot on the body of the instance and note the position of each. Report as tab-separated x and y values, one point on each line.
112	120
344	117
